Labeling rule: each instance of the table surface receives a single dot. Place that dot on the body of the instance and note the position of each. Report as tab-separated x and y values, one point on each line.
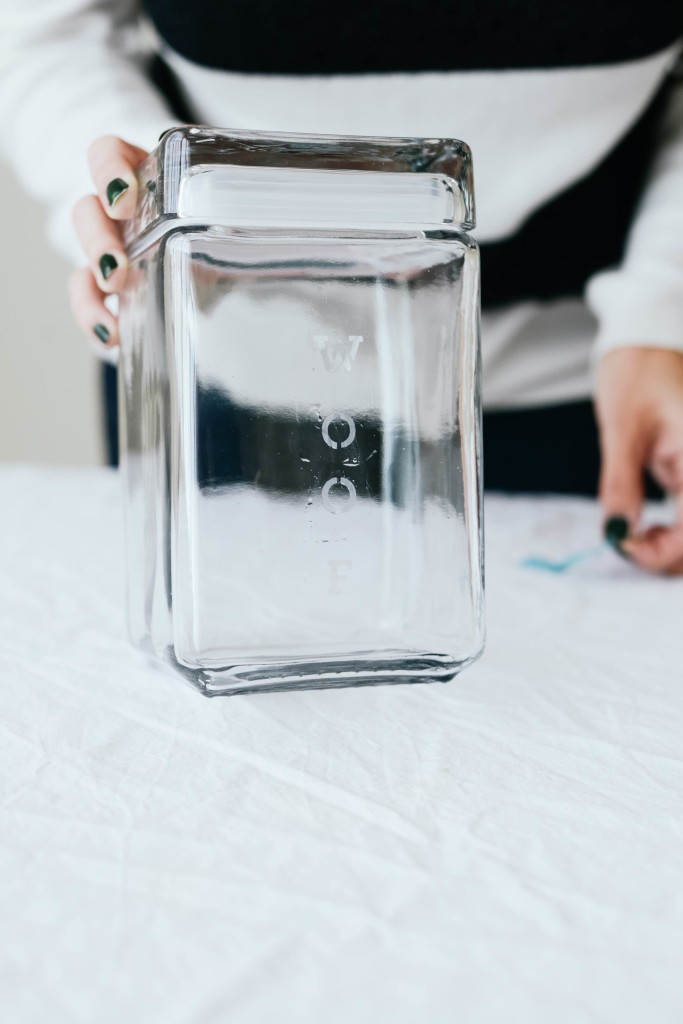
507	847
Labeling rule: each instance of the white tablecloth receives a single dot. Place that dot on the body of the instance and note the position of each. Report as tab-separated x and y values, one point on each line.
505	848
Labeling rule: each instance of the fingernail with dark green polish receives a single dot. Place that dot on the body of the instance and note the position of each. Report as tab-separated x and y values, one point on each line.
101	332
107	265
115	190
616	530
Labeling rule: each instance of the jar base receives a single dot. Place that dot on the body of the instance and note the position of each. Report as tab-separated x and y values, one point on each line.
364	670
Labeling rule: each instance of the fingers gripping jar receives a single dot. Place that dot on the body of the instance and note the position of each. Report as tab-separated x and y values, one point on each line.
300	410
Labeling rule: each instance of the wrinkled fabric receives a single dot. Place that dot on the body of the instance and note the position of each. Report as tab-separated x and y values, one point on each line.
506	847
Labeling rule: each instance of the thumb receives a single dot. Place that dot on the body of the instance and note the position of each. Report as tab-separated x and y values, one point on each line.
621	481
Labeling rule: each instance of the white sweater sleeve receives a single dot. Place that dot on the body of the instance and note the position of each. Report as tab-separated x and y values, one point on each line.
70	71
641	302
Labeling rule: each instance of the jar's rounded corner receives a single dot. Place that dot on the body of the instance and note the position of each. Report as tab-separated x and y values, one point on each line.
171	136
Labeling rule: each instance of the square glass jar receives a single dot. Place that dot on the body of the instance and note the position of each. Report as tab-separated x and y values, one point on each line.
300	410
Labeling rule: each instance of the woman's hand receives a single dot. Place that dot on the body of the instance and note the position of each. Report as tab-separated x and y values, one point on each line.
639	403
112	165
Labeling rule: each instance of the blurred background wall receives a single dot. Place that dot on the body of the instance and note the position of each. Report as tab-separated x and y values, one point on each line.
49	401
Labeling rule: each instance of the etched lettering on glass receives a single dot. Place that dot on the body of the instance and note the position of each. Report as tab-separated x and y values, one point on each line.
337	351
336	575
327	423
338	431
338	494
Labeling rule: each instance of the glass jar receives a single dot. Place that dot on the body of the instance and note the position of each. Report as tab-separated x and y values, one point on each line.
300	410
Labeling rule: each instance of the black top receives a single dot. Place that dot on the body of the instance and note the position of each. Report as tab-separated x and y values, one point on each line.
548	256
309	37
